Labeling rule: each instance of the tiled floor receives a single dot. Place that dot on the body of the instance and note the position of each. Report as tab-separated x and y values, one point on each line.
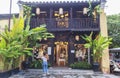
62	73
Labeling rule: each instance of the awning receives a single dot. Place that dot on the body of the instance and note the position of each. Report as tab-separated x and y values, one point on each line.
114	50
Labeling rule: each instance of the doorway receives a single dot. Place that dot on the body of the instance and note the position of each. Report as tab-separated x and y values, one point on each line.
61	53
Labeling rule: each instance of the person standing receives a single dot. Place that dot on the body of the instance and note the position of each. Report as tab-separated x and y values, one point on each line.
45	59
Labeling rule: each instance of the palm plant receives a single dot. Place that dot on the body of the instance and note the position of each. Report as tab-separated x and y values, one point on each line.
97	45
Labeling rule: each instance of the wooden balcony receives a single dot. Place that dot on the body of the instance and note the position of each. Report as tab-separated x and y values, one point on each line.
74	24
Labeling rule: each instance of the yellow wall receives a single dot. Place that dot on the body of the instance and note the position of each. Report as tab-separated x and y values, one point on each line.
105	65
4	22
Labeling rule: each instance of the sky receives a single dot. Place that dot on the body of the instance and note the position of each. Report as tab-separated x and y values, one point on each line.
112	6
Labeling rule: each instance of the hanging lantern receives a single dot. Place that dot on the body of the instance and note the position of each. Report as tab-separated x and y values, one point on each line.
77	38
85	10
60	11
38	11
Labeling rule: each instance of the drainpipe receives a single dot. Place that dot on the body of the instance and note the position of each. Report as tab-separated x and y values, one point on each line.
10	15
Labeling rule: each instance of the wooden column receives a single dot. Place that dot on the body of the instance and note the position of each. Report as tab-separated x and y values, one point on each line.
51	12
71	47
71	15
51	57
105	65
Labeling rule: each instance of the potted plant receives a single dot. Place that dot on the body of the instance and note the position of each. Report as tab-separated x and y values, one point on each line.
97	46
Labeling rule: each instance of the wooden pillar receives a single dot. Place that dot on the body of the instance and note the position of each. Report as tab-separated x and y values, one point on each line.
51	20
51	12
105	65
71	15
71	55
51	56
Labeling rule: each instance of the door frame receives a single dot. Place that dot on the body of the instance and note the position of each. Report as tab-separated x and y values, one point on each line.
61	53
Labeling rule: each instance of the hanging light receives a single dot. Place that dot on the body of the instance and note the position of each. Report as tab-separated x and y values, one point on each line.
60	11
38	11
77	38
85	10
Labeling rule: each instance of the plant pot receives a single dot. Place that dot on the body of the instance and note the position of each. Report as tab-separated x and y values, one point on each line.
96	66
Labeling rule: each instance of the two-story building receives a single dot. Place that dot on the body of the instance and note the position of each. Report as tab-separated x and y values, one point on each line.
68	21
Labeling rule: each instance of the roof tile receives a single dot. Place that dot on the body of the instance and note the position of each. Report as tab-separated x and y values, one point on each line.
58	1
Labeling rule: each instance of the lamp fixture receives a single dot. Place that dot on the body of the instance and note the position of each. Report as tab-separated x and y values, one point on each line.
77	38
38	11
85	10
60	11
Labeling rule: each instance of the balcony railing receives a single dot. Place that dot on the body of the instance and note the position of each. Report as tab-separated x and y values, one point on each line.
75	24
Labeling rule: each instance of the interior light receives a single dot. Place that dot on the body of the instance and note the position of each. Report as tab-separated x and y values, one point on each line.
38	11
85	10
77	37
60	11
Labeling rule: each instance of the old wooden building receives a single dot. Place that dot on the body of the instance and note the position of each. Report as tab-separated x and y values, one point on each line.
68	21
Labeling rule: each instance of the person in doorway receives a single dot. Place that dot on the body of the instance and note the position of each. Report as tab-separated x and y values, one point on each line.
45	59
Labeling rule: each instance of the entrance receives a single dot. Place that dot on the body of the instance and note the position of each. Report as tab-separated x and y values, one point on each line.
61	53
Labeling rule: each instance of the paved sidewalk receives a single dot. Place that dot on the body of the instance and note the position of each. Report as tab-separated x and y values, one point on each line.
62	73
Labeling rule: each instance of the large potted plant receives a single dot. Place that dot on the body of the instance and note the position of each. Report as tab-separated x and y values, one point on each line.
97	46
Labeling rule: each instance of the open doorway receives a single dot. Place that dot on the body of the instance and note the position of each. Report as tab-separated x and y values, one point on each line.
81	53
61	53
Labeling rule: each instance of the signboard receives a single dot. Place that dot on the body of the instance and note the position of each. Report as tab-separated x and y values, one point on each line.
49	50
72	51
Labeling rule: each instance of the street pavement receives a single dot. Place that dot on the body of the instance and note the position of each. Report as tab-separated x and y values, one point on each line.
62	73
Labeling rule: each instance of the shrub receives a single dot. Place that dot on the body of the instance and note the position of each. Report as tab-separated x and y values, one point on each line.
37	64
81	65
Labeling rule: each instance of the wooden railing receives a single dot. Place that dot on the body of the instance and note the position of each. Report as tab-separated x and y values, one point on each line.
75	24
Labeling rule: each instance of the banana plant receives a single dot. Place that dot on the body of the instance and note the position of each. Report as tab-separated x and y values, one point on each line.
15	43
97	45
11	46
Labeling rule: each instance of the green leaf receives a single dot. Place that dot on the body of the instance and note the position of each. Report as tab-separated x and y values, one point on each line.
98	44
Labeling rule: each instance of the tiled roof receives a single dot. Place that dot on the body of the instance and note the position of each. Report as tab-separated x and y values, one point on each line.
56	1
59	0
